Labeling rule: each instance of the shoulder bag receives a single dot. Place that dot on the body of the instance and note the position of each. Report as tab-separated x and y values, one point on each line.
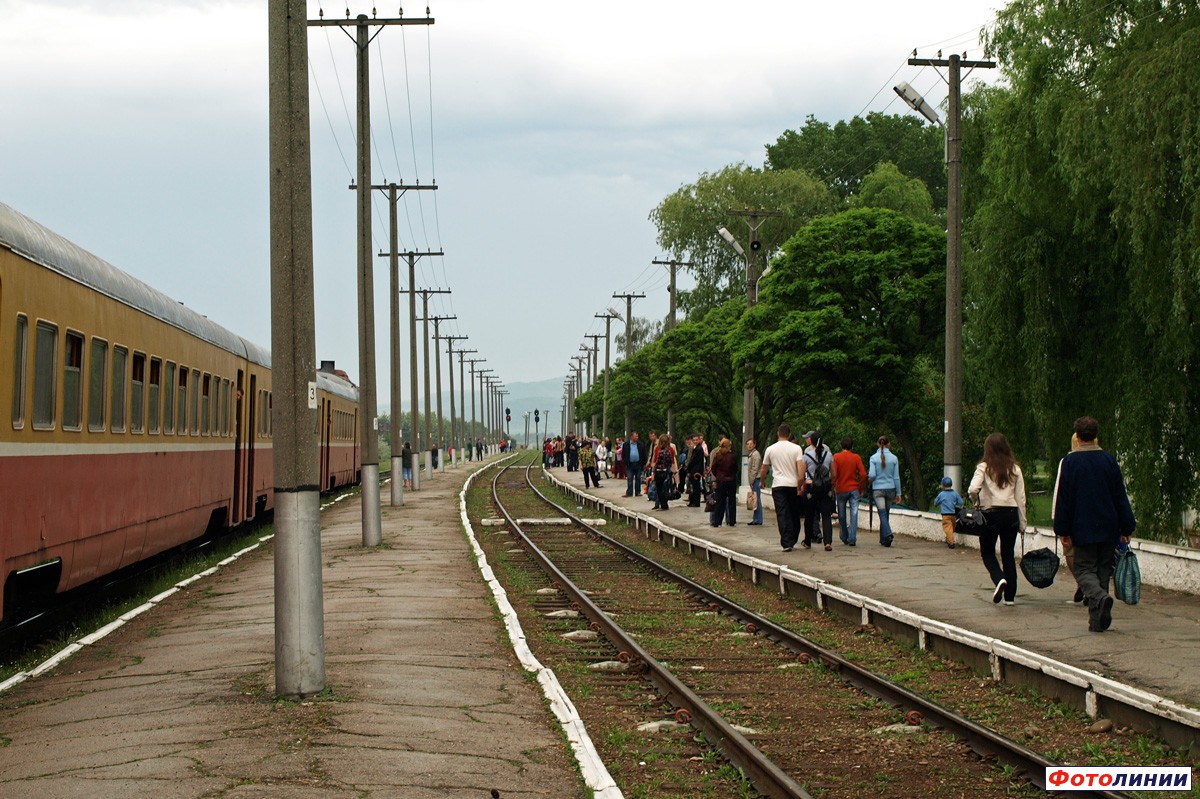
1039	565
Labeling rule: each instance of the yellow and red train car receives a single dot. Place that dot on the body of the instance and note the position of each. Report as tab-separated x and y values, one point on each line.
135	424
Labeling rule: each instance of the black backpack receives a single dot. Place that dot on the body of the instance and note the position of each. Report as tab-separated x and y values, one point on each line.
822	481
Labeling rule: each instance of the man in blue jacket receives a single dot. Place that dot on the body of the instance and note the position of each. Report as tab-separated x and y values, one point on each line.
1091	513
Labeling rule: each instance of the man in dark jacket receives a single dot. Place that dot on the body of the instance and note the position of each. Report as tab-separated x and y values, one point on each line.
697	462
1091	513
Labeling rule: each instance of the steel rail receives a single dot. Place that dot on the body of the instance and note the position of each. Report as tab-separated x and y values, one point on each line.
765	775
984	741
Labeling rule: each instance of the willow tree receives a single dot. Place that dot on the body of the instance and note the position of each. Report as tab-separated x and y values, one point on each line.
1084	277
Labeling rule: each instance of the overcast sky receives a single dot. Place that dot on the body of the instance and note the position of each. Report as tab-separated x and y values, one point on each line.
139	131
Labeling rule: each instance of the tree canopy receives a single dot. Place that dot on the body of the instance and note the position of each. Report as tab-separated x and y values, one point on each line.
853	310
688	219
843	153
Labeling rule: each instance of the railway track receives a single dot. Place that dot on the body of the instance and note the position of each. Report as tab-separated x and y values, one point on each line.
790	716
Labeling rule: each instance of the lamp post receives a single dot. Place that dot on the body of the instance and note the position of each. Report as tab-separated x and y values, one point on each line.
952	445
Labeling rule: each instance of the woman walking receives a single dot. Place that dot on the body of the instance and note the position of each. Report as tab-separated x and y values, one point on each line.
998	487
884	476
724	468
664	471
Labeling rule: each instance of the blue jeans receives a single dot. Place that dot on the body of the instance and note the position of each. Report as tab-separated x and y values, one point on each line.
883	503
633	480
847	507
756	487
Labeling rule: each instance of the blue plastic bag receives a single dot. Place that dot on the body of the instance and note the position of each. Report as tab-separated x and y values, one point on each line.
1127	576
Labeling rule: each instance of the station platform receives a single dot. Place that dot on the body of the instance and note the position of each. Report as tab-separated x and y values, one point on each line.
1153	646
425	696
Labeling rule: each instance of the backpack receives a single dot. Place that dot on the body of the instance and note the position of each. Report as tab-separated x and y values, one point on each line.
822	482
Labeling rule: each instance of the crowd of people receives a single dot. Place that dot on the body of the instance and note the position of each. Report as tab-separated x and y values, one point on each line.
811	487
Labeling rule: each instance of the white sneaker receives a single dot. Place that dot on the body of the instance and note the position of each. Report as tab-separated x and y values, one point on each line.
999	592
1010	602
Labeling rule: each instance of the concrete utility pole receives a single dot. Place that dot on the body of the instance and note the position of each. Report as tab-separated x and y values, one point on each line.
755	220
607	317
450	377
395	439
629	298
414	412
428	450
367	403
595	337
952	444
437	383
670	325
299	602
483	376
462	392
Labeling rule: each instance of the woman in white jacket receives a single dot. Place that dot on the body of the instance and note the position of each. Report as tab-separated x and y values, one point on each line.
998	487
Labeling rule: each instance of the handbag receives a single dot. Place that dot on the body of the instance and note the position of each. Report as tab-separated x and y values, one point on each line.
969	521
751	501
1039	565
1127	576
710	502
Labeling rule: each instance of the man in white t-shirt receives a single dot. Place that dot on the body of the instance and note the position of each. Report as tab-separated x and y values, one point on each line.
782	459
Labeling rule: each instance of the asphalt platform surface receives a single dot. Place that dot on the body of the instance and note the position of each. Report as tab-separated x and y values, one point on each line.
425	697
1154	645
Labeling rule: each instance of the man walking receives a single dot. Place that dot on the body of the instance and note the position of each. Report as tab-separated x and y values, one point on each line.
1091	513
782	459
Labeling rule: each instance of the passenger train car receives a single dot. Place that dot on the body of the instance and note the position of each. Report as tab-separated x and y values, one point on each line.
135	424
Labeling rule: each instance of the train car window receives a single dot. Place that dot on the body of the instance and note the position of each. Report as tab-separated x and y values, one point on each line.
19	365
181	399
154	395
205	403
169	399
44	388
194	411
119	360
72	412
137	393
225	407
97	369
270	414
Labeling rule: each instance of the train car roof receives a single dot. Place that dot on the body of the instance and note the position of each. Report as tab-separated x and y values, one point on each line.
43	246
337	385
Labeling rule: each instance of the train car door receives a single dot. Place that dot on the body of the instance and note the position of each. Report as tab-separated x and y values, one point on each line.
251	432
238	421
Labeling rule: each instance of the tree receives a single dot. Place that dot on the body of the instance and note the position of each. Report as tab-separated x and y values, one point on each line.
687	224
853	310
887	187
840	155
1084	276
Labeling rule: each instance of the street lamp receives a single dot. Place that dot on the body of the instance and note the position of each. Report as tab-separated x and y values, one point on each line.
725	234
916	102
751	299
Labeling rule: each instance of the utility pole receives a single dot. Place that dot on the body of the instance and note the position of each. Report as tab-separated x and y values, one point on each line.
414	412
428	450
462	392
952	444
299	602
437	364
629	298
607	317
670	325
474	434
394	192
755	220
595	337
526	414
367	403
450	376
483	377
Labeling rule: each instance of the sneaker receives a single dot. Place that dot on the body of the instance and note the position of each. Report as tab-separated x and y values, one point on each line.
788	549
887	542
998	594
1010	602
851	544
